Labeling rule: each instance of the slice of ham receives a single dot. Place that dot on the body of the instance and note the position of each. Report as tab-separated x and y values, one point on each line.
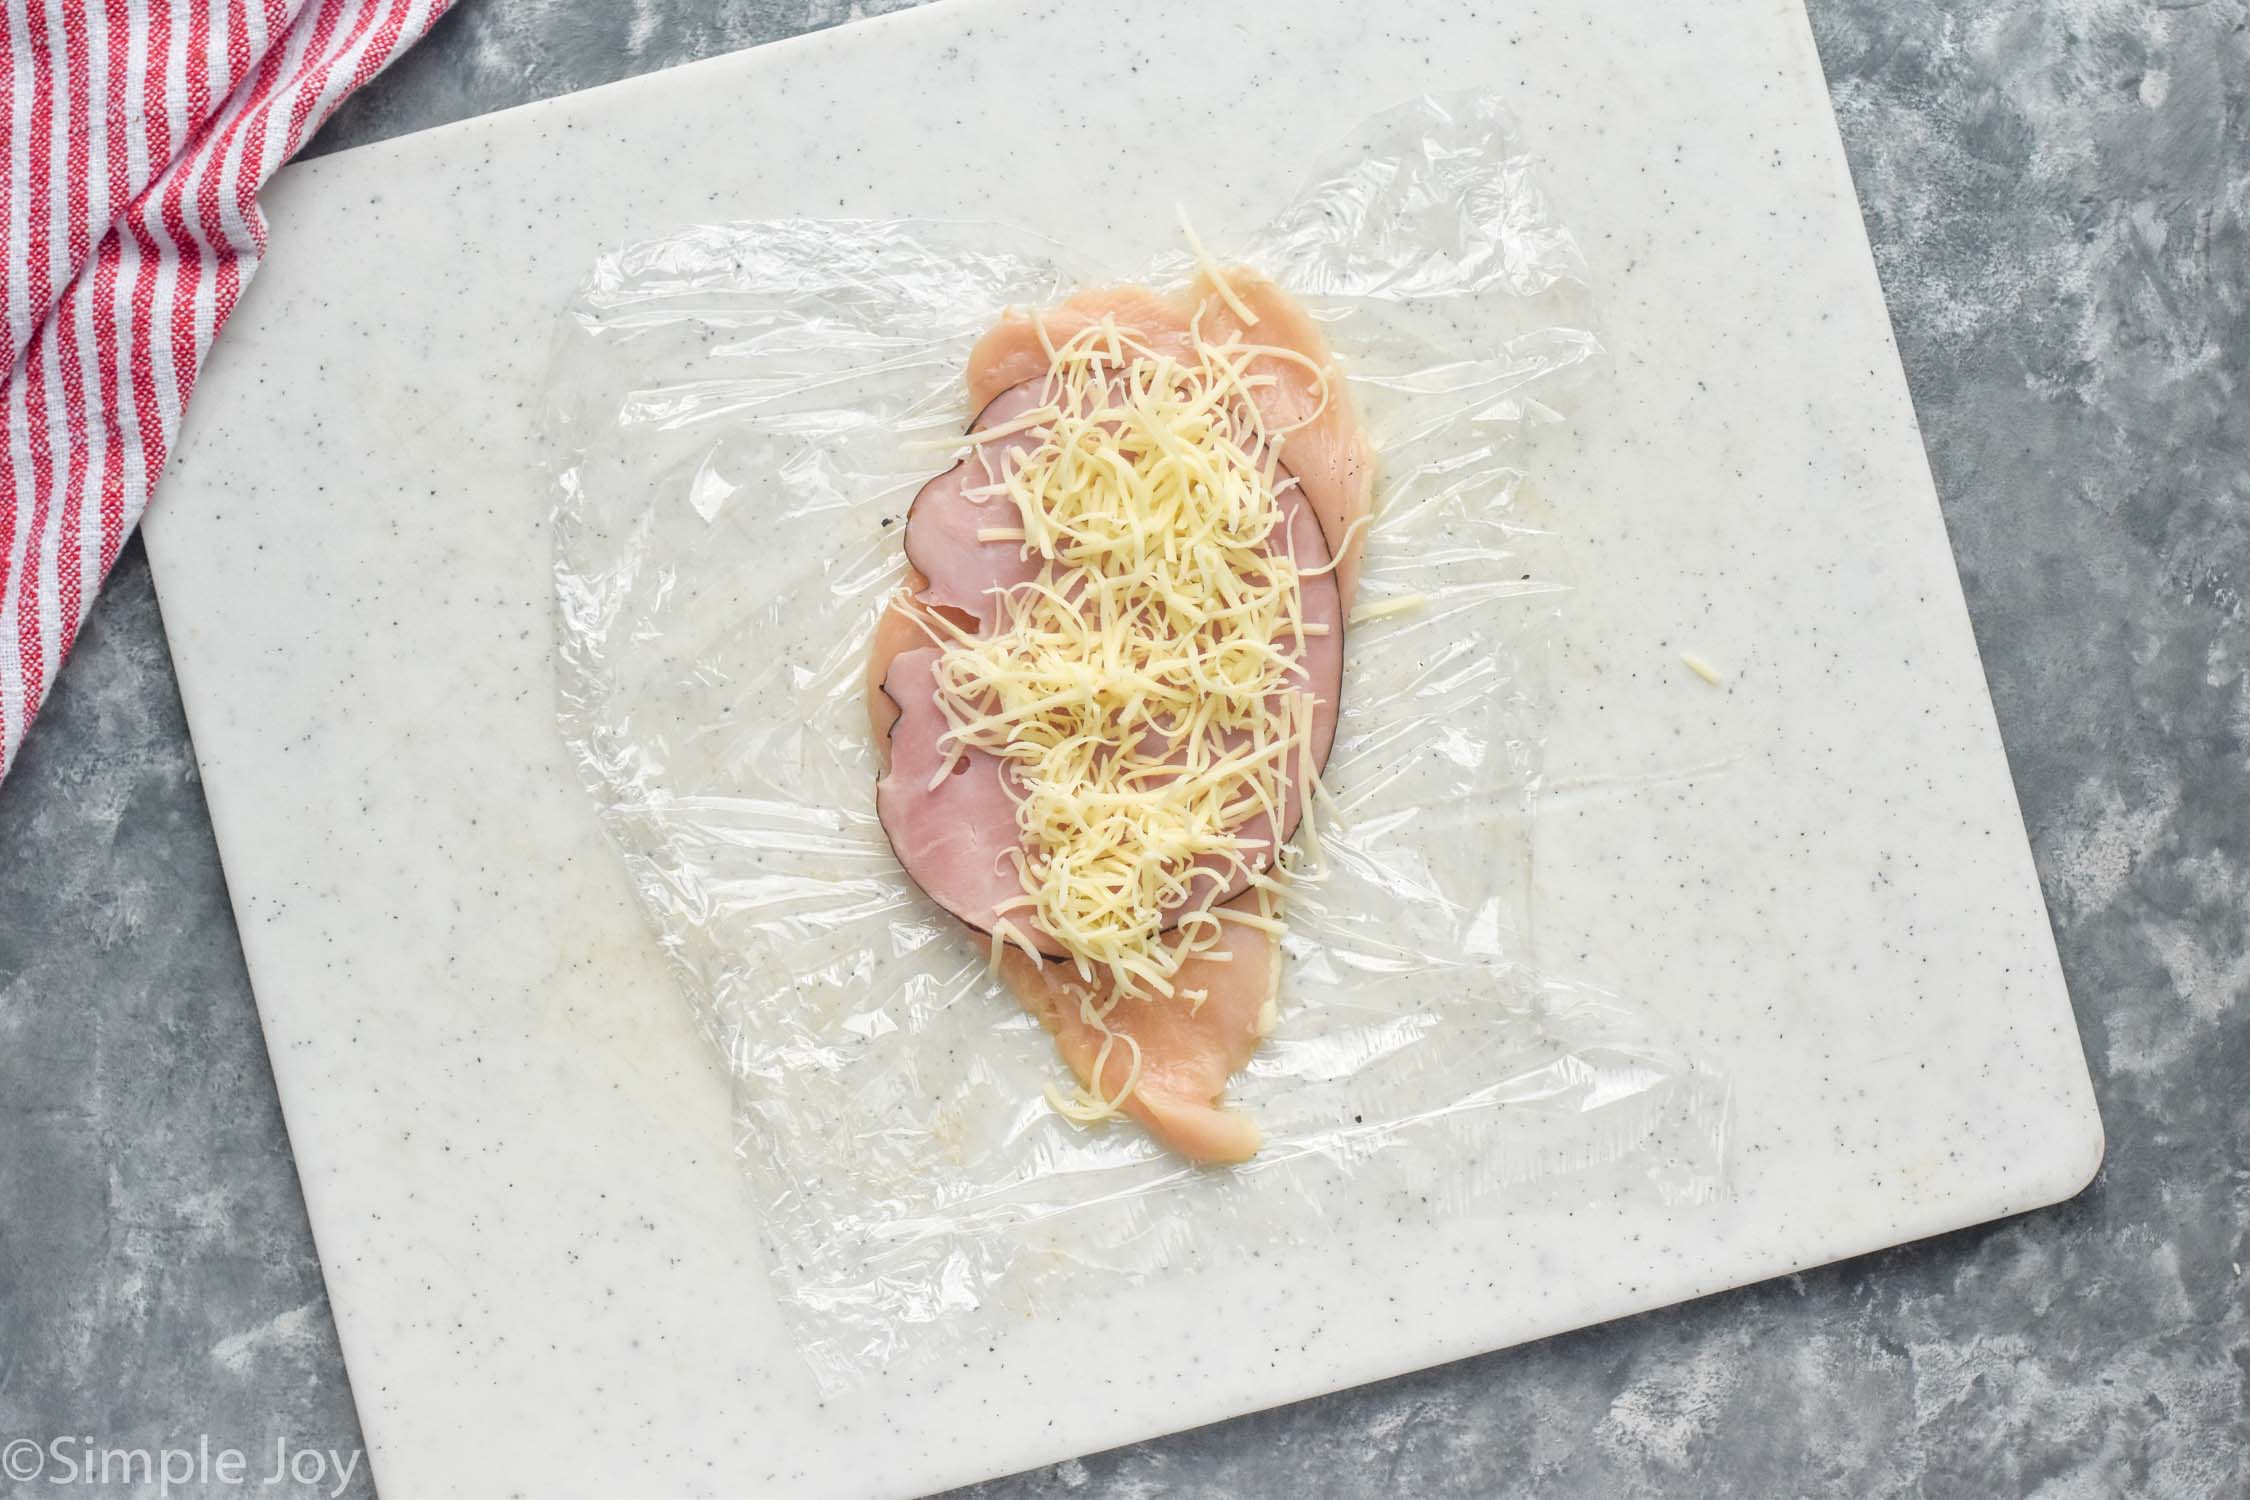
955	836
959	572
954	832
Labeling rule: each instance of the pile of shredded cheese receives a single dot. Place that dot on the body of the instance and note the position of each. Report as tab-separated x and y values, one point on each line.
1145	690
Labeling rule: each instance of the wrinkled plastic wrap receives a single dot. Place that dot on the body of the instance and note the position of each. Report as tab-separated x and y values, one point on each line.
742	413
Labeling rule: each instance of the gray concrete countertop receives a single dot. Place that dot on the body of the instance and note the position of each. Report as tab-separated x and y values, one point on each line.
2059	199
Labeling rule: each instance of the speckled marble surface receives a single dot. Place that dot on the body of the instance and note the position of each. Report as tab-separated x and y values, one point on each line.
2058	200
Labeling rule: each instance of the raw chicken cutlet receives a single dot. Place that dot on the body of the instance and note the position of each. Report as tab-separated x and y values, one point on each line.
1163	1060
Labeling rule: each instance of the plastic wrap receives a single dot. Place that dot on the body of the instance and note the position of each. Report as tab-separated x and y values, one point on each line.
742	413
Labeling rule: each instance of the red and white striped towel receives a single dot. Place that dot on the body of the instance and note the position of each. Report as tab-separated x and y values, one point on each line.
138	133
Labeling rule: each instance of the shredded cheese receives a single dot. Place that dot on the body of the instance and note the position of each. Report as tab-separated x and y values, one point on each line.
1263	924
1086	1106
1145	690
1003	933
1211	273
1383	609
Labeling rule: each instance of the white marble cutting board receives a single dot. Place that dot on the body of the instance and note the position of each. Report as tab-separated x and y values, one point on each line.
514	1149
